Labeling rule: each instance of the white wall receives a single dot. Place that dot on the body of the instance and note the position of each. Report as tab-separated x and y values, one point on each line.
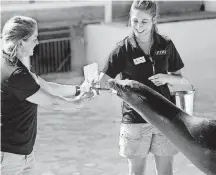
196	43
100	40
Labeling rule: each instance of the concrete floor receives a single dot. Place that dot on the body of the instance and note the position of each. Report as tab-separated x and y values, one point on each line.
86	142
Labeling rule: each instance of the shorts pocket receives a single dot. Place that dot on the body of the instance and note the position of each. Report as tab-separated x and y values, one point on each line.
162	146
130	131
132	143
12	159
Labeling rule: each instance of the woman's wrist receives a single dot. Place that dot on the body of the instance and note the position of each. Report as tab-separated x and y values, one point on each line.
174	80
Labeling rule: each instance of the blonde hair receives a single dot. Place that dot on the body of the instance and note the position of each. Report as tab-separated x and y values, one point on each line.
149	6
16	29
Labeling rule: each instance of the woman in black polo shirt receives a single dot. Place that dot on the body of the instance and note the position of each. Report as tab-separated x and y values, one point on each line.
152	59
21	93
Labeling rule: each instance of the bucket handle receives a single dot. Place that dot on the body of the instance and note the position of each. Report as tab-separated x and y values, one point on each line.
177	92
192	87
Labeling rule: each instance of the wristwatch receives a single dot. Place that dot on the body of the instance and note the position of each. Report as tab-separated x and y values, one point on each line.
78	91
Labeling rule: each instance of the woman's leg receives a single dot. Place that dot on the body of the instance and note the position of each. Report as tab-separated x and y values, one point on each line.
137	166
135	141
164	165
163	151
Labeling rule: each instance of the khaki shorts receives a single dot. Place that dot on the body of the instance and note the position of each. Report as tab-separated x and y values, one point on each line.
15	164
137	140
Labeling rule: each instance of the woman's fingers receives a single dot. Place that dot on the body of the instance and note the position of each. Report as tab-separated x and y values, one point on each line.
157	82
86	95
154	77
85	87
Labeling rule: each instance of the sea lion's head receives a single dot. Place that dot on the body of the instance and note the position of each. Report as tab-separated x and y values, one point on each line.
140	97
129	90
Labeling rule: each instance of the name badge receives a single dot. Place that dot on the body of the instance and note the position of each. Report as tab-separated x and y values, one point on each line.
161	52
139	60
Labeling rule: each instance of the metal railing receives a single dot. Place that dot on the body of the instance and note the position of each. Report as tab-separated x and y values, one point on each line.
53	54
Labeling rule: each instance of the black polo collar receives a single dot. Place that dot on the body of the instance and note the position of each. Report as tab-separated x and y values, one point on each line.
20	64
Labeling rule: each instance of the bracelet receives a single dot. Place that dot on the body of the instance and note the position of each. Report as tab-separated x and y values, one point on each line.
78	91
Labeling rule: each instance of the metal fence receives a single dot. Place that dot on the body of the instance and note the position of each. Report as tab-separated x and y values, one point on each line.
53	54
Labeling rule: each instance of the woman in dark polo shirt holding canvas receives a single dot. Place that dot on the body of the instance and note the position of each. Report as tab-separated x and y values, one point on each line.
152	59
21	93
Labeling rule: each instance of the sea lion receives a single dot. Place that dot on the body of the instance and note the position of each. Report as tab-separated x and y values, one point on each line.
194	137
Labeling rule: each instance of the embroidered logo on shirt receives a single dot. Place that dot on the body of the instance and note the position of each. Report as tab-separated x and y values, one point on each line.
161	52
139	60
